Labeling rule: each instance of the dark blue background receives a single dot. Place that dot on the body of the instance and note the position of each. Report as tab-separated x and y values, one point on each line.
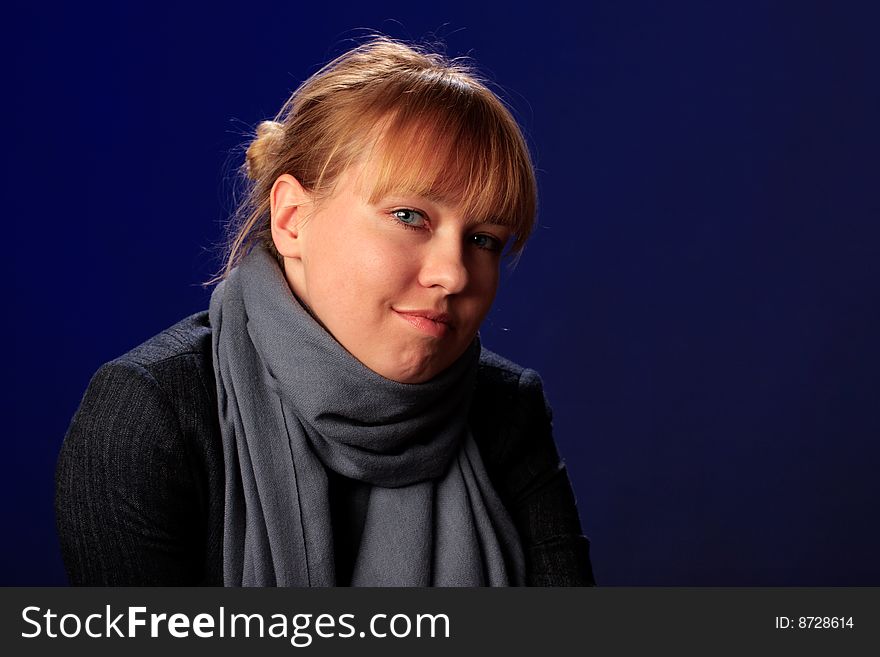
702	296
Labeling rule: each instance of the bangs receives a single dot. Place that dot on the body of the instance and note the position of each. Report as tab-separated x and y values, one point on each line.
456	149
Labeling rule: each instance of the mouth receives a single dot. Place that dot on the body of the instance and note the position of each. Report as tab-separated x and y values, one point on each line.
428	322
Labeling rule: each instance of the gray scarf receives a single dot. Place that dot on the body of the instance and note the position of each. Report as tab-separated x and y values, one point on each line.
294	403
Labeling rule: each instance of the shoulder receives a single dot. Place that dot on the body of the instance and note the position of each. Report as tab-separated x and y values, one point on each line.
190	337
176	364
508	402
164	391
508	387
505	380
156	403
159	386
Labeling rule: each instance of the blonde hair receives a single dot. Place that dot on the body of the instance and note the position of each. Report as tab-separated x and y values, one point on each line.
443	132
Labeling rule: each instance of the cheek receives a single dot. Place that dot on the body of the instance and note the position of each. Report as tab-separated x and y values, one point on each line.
484	284
359	276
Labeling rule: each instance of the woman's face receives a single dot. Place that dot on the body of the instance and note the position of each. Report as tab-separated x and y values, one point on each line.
403	283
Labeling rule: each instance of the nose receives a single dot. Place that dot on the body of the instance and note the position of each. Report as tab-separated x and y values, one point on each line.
443	265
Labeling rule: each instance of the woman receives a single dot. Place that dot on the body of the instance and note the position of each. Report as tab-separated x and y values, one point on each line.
333	418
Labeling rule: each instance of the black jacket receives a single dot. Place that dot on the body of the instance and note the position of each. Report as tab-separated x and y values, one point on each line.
140	480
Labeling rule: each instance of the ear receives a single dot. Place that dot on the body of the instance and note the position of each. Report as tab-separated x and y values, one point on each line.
287	201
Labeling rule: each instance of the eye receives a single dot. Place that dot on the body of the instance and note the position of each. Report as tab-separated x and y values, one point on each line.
409	218
488	242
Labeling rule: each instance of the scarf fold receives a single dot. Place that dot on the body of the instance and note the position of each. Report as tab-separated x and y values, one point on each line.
294	403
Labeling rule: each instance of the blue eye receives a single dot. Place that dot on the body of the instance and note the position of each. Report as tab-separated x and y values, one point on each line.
483	241
409	218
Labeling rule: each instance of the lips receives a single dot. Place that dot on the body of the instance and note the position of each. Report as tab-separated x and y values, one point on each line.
432	323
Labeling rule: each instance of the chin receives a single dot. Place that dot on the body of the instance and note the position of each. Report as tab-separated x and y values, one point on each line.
411	377
413	363
417	372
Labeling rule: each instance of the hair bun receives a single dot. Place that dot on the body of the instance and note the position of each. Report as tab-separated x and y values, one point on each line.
263	149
